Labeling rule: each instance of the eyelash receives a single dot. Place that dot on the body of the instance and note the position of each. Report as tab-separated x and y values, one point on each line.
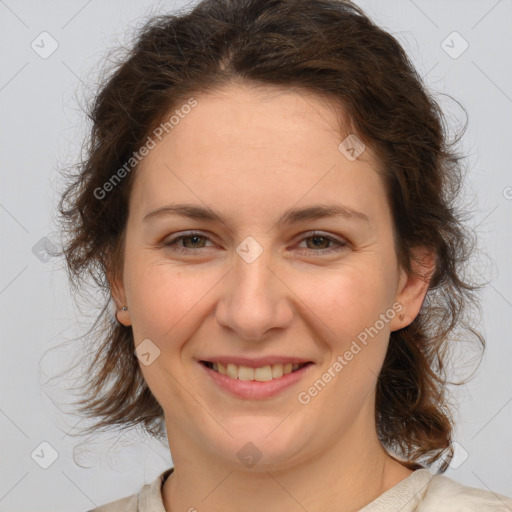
171	244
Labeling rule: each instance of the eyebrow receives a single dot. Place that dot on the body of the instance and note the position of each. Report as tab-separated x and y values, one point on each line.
290	216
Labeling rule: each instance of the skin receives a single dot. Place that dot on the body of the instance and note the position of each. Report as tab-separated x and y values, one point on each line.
251	153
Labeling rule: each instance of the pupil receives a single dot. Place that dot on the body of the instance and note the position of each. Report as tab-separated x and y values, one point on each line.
194	238
316	238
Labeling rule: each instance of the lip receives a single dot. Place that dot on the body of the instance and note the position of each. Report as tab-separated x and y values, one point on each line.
255	390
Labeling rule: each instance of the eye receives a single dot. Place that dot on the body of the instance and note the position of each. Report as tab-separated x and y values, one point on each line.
319	241
197	240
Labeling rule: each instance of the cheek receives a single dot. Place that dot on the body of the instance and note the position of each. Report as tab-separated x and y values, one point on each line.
346	300
168	300
158	294
348	305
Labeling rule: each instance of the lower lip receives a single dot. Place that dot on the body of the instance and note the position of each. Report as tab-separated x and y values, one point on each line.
256	390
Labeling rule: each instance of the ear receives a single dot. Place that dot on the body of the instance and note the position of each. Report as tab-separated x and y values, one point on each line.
412	288
119	296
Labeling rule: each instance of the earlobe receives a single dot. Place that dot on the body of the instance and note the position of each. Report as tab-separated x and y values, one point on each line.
412	288
123	316
119	298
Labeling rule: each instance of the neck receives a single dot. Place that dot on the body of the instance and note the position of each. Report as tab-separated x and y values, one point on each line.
345	478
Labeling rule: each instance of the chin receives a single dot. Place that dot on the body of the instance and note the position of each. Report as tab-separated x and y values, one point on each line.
260	443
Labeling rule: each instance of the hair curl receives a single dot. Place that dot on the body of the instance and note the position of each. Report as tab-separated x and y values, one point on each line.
332	49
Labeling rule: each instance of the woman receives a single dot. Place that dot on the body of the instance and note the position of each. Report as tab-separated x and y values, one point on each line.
268	200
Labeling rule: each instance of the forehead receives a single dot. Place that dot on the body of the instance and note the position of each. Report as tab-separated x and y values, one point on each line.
243	113
252	143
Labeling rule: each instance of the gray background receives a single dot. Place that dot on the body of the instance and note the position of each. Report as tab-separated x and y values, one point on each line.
42	128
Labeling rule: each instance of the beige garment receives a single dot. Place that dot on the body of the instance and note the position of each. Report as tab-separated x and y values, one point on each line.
420	492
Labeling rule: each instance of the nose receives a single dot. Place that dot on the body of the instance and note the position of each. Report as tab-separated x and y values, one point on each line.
254	298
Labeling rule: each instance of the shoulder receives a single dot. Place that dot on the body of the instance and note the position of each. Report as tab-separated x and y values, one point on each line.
149	499
446	495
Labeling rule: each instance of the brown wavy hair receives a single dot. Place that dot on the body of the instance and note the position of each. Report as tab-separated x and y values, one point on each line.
327	47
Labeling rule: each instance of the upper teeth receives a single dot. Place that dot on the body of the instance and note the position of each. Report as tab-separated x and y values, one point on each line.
263	374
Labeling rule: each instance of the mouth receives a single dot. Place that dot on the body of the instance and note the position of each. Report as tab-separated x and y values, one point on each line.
247	373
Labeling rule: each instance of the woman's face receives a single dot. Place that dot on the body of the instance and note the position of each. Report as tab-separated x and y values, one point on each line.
262	285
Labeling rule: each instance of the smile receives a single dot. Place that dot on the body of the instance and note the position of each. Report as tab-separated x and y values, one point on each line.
246	373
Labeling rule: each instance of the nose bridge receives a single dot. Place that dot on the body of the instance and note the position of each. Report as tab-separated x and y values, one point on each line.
255	299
